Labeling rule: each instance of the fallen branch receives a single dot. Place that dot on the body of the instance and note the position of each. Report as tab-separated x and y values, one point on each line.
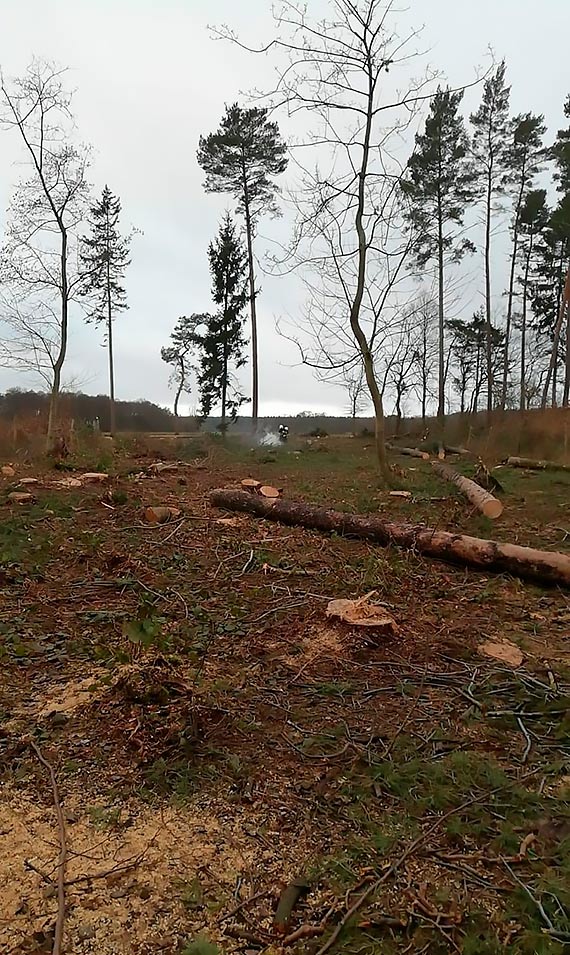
487	555
287	902
58	935
478	496
514	462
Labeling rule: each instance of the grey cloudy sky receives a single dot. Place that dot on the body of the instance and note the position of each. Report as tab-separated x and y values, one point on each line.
150	80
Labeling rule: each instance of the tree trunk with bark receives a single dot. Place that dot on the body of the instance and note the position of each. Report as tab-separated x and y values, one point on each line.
489	556
481	499
59	362
488	328
253	306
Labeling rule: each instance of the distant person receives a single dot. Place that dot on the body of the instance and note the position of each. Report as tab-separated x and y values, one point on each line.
283	432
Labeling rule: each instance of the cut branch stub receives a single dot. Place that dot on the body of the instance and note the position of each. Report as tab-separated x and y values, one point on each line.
478	496
161	514
485	555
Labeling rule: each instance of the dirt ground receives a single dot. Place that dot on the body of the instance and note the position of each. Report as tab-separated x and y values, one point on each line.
214	736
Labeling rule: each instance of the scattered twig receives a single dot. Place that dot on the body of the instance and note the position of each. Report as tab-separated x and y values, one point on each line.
249	563
242	905
114	870
304	931
532	897
528	746
393	867
58	935
169	536
405	721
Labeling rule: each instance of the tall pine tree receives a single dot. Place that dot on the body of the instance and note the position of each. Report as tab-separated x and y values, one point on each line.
222	342
490	156
104	257
242	158
524	163
439	183
533	217
561	156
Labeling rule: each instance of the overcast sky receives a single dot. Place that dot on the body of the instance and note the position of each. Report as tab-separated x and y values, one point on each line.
150	80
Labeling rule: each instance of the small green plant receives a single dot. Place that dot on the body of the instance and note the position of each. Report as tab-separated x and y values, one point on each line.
191	894
147	628
103	818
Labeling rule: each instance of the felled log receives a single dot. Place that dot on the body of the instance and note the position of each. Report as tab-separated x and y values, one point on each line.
544	566
409	452
515	462
478	496
452	450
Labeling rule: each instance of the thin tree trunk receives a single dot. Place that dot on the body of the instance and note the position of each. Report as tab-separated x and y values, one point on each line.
225	359
58	364
522	402
551	374
113	423
512	286
252	304
566	396
441	331
380	438
488	335
178	393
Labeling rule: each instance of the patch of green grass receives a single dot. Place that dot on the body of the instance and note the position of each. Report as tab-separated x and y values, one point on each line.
176	778
200	946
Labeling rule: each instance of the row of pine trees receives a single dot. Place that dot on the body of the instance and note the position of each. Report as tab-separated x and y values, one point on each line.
489	169
466	177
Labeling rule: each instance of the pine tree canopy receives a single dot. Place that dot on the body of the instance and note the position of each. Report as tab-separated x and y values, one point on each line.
104	258
242	155
222	342
439	181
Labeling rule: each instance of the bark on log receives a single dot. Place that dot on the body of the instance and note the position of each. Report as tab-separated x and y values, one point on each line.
479	497
409	452
514	462
544	566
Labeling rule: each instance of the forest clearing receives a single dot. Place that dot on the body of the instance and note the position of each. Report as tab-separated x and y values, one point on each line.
236	770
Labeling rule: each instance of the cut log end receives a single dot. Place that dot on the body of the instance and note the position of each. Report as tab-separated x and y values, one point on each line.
266	490
488	505
492	509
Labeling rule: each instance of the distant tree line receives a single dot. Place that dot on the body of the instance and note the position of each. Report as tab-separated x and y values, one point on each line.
93	411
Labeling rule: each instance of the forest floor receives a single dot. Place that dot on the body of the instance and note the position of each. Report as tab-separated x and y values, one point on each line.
215	737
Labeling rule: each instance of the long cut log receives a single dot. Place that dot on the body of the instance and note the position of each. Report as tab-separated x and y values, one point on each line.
410	452
479	497
544	566
515	462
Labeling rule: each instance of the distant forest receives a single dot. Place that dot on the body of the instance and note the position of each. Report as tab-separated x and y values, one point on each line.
143	415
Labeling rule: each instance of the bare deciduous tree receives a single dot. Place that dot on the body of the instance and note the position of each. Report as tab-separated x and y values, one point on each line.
338	72
39	260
